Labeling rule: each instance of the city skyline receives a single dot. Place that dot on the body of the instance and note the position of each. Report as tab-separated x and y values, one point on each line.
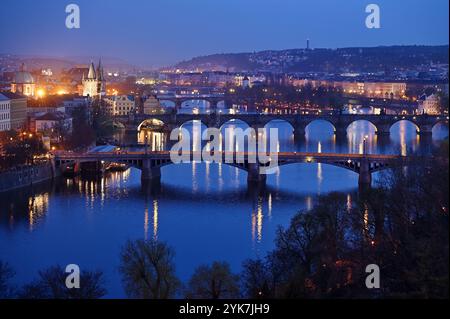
156	40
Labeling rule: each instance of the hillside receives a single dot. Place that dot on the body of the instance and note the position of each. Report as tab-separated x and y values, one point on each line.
323	60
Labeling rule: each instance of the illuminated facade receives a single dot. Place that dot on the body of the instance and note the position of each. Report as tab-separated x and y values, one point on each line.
18	110
5	113
120	105
385	90
23	83
152	105
429	104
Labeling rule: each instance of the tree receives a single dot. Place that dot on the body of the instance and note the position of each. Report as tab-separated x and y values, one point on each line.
257	280
7	290
148	270
51	284
415	248
213	282
401	225
21	149
83	135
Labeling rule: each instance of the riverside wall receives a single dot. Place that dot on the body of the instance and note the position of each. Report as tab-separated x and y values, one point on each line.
26	176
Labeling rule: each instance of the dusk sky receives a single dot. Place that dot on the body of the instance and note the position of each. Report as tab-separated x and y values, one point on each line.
162	32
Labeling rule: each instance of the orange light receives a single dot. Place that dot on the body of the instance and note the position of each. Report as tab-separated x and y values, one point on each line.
40	93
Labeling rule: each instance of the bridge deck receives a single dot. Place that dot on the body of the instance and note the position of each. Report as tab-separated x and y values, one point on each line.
168	154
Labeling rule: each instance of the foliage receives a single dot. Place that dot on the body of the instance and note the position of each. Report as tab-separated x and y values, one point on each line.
19	149
7	290
213	282
148	271
83	135
51	284
402	226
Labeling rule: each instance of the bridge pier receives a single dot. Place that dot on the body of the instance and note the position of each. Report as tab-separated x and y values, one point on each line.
257	127
254	176
149	172
299	132
340	131
425	130
383	129
365	176
151	187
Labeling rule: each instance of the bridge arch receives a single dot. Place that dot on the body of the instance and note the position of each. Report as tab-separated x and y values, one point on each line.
194	122
439	122
318	121
233	121
350	166
168	103
209	104
151	122
280	121
406	121
220	104
372	125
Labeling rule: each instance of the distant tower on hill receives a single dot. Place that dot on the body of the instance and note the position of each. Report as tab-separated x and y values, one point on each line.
308	44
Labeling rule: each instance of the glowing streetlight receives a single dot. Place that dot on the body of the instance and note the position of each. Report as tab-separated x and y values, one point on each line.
40	93
365	144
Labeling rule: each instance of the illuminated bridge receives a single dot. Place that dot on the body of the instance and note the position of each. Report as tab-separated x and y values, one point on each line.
340	122
150	163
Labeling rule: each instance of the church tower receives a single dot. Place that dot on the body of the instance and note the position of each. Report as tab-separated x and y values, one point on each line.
94	84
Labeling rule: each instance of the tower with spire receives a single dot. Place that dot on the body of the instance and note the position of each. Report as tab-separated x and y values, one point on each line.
94	84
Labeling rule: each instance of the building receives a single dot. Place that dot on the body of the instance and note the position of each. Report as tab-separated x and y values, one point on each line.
54	122
23	82
70	106
384	90
429	104
221	79
120	105
18	108
152	105
246	81
94	84
5	113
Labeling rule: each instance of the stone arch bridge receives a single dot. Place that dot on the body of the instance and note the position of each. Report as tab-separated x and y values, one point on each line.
382	123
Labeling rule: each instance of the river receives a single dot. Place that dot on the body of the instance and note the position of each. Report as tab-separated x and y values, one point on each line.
204	211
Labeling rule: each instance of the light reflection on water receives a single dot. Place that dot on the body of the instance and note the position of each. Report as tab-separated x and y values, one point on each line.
204	211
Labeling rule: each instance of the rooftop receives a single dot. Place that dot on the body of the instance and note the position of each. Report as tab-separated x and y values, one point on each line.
3	98
12	96
51	116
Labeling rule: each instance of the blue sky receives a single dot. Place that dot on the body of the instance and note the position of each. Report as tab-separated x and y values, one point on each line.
162	32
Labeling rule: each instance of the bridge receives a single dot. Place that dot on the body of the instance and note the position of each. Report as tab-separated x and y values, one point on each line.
150	163
299	122
179	99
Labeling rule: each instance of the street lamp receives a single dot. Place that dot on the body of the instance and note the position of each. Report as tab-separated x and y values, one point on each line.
365	144
146	144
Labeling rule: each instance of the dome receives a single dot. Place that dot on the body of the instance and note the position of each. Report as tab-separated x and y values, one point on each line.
23	77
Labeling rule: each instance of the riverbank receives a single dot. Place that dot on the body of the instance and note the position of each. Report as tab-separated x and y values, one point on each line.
25	176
